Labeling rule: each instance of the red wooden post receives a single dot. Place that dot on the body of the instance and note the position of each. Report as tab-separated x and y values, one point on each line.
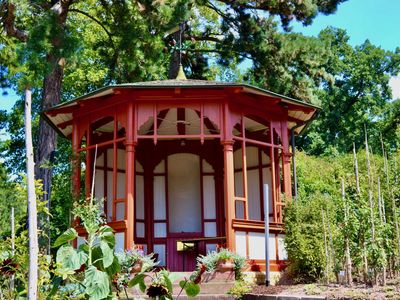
130	179
229	193
76	167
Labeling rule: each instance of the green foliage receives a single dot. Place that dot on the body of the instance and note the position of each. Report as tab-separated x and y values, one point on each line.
96	256
239	289
211	260
160	284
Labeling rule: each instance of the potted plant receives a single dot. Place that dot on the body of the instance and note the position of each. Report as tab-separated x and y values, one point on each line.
223	261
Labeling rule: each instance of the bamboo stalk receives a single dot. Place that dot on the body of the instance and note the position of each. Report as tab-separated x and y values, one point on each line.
356	169
326	247
32	209
349	277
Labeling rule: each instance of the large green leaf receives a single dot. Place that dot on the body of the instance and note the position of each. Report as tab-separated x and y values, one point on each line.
108	254
67	236
192	289
138	279
96	283
114	268
70	258
106	234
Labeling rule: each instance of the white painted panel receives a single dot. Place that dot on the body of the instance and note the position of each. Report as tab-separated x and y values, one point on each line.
253	187
239	184
100	160
241	243
159	198
119	242
138	167
264	158
207	168
99	184
121	162
121	183
210	229
160	168
192	117
80	241
140	229
239	205
110	158
209	197
184	201
237	159
281	247
211	247
120	211
168	125
139	197
251	156
109	195
160	249
160	230
257	246
267	180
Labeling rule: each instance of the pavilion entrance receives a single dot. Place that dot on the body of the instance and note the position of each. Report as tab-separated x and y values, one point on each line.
184	200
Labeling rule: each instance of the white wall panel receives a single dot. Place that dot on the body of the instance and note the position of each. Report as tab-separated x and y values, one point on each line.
257	246
210	229
110	158
207	168
239	184
209	197
121	183
120	211
159	198
160	168
237	159
121	162
138	167
139	197
109	195
251	157
241	243
254	194
160	249
140	229
267	180
99	184
281	247
239	209
184	200
160	230
100	160
119	242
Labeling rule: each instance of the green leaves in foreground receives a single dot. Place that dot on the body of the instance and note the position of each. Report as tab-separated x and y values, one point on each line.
96	283
69	235
191	289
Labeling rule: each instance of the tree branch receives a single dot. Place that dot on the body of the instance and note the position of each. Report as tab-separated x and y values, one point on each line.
7	10
95	20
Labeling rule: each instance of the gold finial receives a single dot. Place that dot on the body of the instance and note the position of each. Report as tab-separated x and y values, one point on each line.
181	73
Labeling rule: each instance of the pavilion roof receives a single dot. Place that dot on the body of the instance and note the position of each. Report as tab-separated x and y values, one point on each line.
55	119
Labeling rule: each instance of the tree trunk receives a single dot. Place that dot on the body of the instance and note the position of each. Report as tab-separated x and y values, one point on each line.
174	62
32	212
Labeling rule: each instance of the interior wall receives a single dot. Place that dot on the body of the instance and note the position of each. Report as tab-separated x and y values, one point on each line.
184	193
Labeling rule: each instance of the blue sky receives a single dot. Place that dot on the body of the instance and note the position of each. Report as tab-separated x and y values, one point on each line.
376	20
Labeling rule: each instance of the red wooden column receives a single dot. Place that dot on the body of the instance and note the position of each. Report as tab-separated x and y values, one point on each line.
286	156
130	178
229	188
76	166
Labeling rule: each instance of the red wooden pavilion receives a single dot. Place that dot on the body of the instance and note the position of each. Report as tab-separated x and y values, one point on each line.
185	160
